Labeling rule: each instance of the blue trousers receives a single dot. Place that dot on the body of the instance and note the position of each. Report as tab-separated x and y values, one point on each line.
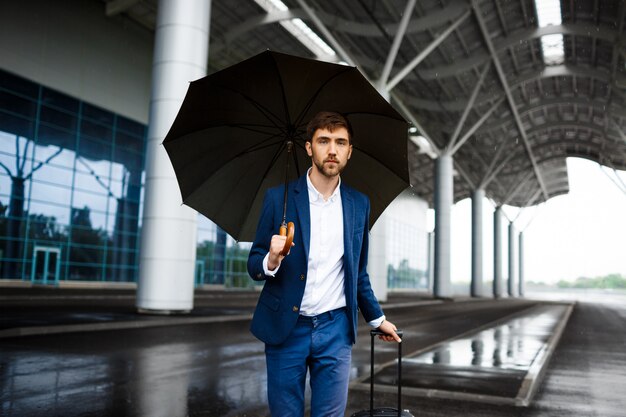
322	346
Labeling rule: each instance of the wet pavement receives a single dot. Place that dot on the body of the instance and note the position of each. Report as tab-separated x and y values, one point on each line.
218	368
499	364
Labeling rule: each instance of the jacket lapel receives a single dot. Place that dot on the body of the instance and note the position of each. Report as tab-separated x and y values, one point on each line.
301	197
347	204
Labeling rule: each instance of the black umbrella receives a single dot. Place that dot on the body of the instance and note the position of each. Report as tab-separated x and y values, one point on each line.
229	141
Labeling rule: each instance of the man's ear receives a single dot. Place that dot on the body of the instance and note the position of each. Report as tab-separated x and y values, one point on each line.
349	151
307	145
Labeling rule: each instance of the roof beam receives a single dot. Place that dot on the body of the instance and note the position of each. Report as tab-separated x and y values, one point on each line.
469	106
409	115
476	125
517	189
322	28
517	37
509	95
420	57
491	173
397	40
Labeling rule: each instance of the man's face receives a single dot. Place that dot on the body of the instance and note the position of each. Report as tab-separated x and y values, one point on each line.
329	151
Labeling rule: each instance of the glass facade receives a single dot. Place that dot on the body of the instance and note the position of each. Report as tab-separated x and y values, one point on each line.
407	243
71	177
70	185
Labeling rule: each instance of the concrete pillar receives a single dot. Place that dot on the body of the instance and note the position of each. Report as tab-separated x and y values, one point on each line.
512	264
444	195
168	238
431	261
497	252
476	289
520	261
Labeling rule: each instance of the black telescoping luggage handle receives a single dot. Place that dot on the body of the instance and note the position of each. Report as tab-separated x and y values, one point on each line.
375	333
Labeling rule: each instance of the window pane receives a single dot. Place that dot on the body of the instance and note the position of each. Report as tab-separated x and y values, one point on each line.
90	201
129	142
18	85
130	126
50	193
58	215
97	114
49	135
54	175
15	125
96	131
58	118
131	160
59	100
18	105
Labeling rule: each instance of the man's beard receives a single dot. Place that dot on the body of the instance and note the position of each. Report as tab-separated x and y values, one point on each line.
326	171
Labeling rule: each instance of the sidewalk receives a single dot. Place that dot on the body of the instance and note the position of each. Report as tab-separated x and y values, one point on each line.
49	310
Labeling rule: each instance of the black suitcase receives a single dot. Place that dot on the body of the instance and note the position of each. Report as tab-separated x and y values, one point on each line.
384	411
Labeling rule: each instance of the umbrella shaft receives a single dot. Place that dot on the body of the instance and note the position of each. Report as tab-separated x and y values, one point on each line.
289	149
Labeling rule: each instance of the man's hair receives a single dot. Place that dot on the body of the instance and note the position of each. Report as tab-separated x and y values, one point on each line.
328	120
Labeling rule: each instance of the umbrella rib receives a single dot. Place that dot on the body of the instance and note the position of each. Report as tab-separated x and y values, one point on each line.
282	91
317	93
270	116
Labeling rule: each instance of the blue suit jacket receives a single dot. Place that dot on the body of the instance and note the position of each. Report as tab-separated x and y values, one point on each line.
278	307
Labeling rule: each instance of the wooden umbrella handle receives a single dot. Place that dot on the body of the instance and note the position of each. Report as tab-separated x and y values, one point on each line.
287	231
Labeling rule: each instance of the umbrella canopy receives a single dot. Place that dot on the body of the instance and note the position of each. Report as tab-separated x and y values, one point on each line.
228	142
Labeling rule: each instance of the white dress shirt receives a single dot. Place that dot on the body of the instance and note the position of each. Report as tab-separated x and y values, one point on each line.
324	289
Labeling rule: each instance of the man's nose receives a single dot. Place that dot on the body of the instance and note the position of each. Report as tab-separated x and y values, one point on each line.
332	149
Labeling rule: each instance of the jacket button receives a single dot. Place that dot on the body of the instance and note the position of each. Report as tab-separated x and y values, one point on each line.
259	275
301	277
295	308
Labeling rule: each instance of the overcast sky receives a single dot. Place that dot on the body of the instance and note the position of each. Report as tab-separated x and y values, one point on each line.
582	233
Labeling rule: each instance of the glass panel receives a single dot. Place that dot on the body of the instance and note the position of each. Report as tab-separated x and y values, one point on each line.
54	155
131	160
84	272
97	114
96	131
40	264
50	193
59	100
53	218
89	210
52	265
54	174
58	118
18	84
122	273
10	146
94	150
130	126
49	135
98	170
14	125
18	105
129	142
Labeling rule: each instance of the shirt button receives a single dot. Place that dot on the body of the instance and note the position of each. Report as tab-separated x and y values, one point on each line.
259	275
301	277
295	308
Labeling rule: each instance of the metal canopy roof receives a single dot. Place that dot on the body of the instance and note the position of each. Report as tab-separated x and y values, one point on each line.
480	88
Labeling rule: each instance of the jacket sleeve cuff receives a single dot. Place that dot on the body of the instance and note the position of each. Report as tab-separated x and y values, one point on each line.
271	273
376	322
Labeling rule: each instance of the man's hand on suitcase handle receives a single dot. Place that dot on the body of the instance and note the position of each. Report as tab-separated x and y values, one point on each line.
388	332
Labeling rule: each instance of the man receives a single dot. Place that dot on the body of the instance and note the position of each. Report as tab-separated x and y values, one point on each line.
307	311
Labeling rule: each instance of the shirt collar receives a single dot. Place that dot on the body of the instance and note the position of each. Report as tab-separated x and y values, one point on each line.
315	196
